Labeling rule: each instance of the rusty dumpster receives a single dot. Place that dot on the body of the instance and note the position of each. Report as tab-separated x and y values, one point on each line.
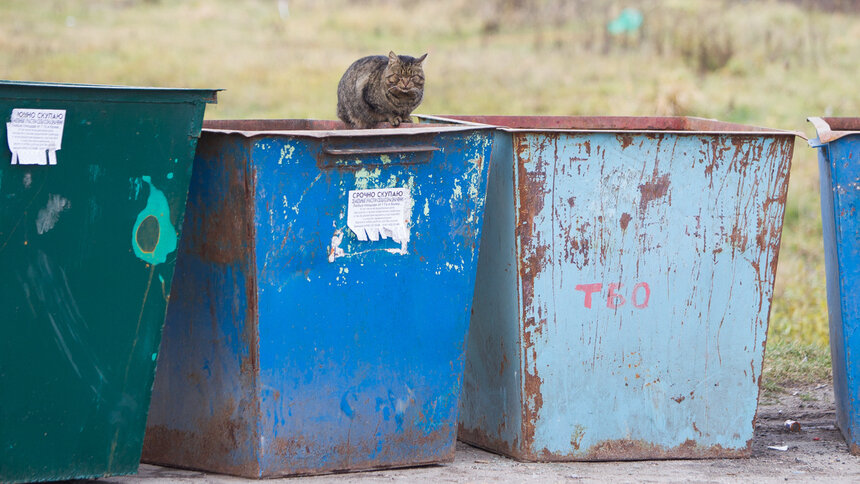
320	309
624	287
838	144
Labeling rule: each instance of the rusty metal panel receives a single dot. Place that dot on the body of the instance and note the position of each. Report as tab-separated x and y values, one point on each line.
644	266
838	146
294	347
491	385
204	399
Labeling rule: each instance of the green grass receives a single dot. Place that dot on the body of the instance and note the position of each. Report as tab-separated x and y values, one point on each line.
762	62
790	363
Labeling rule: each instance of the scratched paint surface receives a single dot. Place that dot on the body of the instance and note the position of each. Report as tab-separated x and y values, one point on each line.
491	382
839	167
350	351
644	267
81	313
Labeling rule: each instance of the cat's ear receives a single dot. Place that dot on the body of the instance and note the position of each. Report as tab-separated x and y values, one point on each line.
421	59
392	58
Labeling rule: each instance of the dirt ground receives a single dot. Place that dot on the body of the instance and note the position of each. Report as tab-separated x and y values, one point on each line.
816	453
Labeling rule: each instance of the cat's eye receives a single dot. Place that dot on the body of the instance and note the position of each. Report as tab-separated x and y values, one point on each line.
417	79
392	79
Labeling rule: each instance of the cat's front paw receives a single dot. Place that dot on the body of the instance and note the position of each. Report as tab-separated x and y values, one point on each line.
395	121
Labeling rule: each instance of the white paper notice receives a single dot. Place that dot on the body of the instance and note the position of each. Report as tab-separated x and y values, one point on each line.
379	213
35	135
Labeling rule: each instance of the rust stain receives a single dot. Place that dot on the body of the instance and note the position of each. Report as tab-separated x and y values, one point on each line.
532	404
205	449
625	220
224	237
577	246
576	438
652	190
227	229
534	160
479	438
679	399
714	151
738	239
353	455
625	139
627	449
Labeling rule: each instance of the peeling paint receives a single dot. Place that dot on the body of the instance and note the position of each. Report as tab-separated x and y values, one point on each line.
334	250
153	236
286	154
365	178
48	216
457	194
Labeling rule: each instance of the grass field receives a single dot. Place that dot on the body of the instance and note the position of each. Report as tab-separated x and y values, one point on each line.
759	62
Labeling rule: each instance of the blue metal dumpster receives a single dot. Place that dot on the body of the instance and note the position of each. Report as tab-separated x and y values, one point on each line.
838	146
623	287
320	309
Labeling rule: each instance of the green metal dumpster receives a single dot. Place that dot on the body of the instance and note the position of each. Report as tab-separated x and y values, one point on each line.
92	196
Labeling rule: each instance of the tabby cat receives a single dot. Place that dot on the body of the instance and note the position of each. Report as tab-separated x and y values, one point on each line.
378	88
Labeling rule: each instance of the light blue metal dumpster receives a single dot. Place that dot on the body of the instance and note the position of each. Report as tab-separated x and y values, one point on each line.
624	286
838	146
320	309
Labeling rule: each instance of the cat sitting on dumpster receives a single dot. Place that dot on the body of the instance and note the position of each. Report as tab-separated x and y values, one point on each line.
376	89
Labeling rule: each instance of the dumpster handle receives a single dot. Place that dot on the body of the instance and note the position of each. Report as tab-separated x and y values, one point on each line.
379	150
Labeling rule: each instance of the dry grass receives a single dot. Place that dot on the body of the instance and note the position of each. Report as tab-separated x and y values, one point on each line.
764	63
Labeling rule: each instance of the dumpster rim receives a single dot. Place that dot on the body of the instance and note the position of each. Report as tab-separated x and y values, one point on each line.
734	129
185	94
414	129
825	133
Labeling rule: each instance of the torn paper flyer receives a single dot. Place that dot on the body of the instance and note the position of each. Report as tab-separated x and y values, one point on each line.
35	135
379	213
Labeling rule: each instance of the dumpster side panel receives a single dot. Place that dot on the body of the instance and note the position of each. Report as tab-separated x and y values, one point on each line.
648	263
490	414
362	342
839	163
204	409
834	295
87	248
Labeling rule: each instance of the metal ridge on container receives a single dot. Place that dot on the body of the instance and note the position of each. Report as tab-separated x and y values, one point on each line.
310	128
831	129
107	92
627	124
